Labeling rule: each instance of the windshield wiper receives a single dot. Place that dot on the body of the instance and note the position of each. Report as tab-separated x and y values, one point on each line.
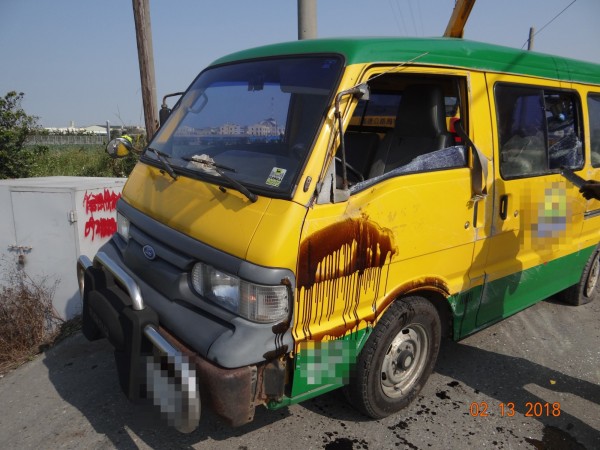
205	159
162	159
205	163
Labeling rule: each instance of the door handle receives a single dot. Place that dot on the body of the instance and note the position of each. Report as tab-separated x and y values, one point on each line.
504	206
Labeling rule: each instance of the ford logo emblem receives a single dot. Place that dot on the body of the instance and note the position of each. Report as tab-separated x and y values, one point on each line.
149	252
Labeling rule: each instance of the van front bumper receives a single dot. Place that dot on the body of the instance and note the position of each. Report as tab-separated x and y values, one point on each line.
150	361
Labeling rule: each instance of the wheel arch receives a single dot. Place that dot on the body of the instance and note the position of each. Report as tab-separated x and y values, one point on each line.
434	290
442	306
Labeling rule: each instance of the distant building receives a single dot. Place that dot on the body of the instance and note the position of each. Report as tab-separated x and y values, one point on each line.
72	129
72	135
266	127
230	129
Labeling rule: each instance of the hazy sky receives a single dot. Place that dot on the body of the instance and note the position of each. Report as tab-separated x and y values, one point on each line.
77	59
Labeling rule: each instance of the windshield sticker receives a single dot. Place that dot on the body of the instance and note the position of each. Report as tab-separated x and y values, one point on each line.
276	177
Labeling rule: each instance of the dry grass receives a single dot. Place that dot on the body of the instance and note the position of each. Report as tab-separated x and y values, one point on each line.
28	321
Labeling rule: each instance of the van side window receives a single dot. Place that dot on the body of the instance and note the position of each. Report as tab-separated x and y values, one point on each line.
539	130
594	112
565	137
404	127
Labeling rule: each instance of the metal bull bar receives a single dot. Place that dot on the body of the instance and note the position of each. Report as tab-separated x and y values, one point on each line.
171	381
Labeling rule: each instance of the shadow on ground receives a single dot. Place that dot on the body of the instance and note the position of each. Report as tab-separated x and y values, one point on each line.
84	375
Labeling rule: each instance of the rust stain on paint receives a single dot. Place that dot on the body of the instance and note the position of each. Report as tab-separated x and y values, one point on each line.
338	263
427	284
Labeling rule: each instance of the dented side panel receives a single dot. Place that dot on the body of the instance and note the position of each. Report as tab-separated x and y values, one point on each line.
406	233
354	256
340	276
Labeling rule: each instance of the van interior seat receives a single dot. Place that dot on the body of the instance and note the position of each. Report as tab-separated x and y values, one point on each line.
420	128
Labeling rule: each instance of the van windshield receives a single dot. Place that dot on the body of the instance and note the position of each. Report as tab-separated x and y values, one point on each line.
256	119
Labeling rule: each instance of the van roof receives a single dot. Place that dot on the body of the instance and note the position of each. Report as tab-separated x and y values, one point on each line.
437	51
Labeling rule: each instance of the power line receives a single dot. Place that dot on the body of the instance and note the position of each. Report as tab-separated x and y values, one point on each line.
552	20
412	16
422	28
394	6
396	16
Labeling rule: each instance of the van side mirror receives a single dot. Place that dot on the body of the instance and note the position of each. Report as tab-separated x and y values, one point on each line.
165	111
119	147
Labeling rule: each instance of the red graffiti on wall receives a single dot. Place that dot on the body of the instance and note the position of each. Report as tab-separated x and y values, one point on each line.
100	227
106	202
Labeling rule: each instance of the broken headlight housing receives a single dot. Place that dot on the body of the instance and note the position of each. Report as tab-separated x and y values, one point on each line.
258	303
123	226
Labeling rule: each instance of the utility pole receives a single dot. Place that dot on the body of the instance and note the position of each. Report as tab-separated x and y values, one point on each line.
143	34
307	19
458	19
530	41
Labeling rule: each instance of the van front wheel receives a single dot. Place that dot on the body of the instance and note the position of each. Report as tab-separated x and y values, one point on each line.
397	358
587	289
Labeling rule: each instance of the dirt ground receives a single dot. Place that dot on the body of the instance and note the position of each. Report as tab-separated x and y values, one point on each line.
531	381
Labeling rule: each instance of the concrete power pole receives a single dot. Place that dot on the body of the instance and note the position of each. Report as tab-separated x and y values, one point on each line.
143	34
530	41
307	19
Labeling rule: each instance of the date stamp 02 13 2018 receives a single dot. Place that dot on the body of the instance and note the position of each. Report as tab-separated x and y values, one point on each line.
507	409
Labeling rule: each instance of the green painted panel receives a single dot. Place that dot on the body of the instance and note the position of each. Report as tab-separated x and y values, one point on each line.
482	306
464	307
322	366
439	51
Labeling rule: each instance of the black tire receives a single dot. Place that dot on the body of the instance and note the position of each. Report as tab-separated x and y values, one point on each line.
587	289
407	335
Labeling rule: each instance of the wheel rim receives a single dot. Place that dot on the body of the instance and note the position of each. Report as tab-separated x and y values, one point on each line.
404	361
592	281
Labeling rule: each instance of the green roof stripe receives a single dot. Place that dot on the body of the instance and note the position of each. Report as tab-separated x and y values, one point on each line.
440	51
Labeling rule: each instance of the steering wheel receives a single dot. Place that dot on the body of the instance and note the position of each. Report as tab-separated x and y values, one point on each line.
355	172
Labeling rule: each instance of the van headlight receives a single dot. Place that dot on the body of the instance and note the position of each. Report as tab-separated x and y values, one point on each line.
255	302
123	226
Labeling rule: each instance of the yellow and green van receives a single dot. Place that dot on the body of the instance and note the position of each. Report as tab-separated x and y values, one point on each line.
319	214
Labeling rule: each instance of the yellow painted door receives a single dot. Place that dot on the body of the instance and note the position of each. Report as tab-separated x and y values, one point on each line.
537	214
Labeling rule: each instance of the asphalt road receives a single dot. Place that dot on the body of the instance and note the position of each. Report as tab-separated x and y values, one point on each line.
547	355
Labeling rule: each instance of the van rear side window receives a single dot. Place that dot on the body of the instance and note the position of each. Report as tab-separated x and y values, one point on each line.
539	130
594	111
